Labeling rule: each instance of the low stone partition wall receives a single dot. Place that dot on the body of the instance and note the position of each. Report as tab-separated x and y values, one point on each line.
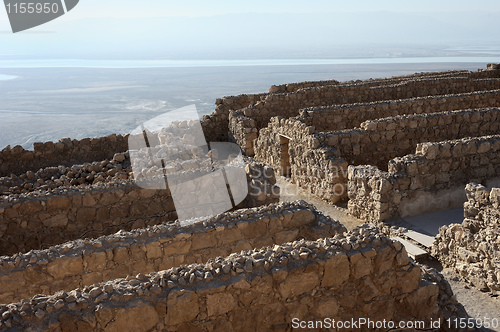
472	249
40	219
215	125
35	221
340	117
66	152
292	87
363	275
84	262
244	128
431	179
293	149
289	104
378	141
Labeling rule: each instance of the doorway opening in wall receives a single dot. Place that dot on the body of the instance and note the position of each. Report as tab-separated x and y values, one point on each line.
285	156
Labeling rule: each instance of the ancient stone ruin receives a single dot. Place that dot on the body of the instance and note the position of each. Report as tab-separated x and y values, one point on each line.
84	248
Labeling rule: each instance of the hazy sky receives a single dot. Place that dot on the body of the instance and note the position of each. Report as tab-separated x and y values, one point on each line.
194	8
254	29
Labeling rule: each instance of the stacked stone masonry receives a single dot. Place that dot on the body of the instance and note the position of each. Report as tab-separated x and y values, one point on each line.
378	141
472	248
66	152
85	262
362	274
282	99
215	125
315	168
318	161
44	218
349	116
431	179
78	220
289	104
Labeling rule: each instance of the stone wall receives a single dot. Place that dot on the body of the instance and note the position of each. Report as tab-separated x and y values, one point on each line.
292	87
66	152
43	218
472	248
431	179
292	148
245	123
344	278
289	104
318	161
340	117
378	141
84	262
215	125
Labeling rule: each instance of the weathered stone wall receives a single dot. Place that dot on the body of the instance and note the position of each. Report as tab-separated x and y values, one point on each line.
318	161
245	123
85	262
289	104
215	125
472	249
339	117
292	87
431	179
317	169
40	218
378	141
66	152
361	275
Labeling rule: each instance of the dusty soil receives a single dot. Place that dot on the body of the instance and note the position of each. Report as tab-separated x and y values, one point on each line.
478	305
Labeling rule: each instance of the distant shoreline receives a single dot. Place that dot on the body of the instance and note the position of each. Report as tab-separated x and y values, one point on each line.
130	64
36	106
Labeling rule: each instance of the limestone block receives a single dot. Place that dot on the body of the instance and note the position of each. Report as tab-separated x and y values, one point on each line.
121	255
58	203
297	283
93	278
286	236
203	240
177	248
230	235
142	318
337	271
220	303
30	207
88	200
408	281
12	282
85	215
96	261
361	266
66	266
299	218
153	250
58	220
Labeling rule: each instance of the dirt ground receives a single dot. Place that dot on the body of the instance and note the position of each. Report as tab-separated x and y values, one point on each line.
477	304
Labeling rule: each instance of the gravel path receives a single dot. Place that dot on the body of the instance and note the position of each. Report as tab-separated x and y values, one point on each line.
290	192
